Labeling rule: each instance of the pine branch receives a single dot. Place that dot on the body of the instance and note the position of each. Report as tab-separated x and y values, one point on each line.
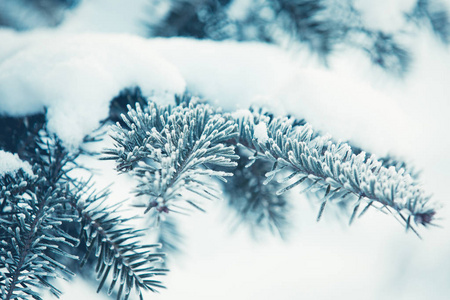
30	234
319	163
170	149
33	212
39	215
165	148
115	244
105	233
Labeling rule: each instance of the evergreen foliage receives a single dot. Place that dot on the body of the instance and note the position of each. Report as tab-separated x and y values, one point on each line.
46	215
319	163
117	248
29	231
169	150
49	219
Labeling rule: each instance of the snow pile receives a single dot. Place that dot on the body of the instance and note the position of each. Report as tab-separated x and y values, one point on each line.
76	76
229	73
10	163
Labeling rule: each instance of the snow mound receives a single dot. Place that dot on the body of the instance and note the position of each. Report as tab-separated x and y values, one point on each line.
75	77
229	73
10	163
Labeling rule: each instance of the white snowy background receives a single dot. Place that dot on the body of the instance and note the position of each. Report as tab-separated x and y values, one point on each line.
76	68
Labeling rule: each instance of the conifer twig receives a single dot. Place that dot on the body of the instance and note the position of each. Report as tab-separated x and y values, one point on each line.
170	148
319	162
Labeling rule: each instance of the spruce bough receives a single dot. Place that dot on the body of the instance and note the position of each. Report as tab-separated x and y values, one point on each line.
50	219
170	148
